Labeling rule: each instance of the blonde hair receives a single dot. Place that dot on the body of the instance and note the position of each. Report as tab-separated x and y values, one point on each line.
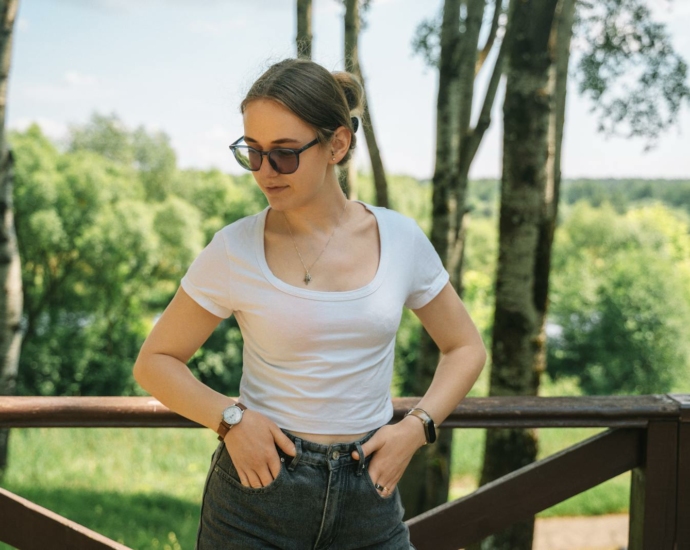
322	99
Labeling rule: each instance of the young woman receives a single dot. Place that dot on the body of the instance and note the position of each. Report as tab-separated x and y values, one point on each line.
317	283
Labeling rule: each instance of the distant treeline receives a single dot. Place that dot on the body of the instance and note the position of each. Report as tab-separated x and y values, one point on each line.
484	194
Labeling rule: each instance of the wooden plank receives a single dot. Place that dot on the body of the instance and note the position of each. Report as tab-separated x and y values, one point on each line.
521	494
653	490
683	500
477	412
93	412
28	526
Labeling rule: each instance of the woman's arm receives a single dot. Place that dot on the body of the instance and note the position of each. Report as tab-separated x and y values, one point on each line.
462	358
463	354
161	369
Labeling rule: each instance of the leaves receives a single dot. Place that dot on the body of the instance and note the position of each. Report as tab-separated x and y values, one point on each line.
104	241
636	80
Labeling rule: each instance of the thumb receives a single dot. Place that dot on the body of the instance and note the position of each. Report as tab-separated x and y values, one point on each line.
284	442
368	448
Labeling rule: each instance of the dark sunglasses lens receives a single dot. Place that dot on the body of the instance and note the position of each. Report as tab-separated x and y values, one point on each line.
247	158
284	161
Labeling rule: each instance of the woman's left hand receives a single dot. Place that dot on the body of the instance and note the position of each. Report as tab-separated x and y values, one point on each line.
393	445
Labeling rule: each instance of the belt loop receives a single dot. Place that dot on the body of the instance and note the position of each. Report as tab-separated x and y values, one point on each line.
360	466
298	454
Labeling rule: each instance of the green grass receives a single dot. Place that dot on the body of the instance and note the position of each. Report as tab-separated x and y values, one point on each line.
609	497
142	486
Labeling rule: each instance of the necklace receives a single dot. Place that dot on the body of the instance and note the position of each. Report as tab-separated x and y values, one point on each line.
307	275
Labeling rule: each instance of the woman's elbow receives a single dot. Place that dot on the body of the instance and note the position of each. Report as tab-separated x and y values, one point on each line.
140	371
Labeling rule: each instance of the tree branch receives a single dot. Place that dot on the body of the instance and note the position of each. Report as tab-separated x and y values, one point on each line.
473	138
484	52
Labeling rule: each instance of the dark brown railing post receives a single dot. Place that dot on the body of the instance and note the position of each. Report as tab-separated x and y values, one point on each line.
653	490
27	526
683	500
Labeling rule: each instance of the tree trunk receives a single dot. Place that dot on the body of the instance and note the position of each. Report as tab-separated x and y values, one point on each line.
10	268
426	481
515	346
467	60
352	26
558	78
426	485
304	36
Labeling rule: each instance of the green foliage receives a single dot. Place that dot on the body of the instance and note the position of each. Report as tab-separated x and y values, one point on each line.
218	363
630	69
623	194
103	245
219	198
620	296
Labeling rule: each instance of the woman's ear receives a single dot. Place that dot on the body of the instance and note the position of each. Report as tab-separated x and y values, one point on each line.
340	143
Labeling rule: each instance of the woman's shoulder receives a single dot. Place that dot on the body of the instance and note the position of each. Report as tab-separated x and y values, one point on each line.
391	217
242	227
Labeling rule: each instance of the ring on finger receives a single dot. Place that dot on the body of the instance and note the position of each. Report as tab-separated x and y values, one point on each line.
381	488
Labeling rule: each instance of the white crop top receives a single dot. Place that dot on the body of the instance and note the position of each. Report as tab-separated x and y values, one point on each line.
316	361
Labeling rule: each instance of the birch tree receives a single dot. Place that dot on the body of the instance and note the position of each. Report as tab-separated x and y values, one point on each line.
621	32
526	114
353	20
304	35
457	53
10	269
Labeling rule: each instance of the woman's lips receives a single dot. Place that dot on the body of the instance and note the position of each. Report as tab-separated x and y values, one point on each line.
275	190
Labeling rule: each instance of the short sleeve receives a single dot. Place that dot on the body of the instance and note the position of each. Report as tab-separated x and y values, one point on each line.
207	279
428	275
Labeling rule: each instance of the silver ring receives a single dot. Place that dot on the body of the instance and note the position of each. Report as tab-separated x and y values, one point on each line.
380	487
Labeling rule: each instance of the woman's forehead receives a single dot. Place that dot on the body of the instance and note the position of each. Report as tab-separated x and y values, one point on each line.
270	123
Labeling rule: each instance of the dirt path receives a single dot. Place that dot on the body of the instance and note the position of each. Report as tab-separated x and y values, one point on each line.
608	532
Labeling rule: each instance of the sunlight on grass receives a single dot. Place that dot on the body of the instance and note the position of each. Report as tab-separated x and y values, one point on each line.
468	449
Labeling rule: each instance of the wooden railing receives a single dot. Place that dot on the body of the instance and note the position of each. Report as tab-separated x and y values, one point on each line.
648	434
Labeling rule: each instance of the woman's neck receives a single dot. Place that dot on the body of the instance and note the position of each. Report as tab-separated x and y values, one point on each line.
320	216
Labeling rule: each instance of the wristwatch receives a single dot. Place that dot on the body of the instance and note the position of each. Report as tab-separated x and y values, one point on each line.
231	416
429	428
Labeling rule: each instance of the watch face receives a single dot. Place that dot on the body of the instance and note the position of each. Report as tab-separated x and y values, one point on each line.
232	415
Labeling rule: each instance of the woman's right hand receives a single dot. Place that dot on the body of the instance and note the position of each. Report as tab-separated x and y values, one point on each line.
251	445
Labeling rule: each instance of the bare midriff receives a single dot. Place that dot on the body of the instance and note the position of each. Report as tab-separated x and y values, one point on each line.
328	439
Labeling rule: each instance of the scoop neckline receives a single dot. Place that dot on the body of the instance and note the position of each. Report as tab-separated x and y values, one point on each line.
326	295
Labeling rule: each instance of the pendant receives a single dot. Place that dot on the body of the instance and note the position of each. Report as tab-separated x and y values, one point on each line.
307	278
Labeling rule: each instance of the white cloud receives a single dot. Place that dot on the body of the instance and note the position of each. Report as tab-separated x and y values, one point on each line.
74	79
217	28
128	6
22	24
54	129
74	86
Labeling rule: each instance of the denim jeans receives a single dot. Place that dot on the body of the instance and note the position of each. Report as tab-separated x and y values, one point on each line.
321	499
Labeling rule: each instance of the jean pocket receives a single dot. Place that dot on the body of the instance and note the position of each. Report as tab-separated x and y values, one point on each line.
227	472
373	485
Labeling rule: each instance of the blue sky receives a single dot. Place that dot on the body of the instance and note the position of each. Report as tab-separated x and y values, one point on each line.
183	66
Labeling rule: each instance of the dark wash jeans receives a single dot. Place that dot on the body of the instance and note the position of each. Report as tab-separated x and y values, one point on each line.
321	499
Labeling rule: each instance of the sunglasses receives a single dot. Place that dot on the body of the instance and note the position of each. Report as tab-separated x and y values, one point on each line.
283	160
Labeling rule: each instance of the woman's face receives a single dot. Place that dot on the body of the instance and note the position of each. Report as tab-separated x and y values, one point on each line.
270	125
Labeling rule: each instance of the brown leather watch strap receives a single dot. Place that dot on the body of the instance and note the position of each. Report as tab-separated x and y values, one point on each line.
224	427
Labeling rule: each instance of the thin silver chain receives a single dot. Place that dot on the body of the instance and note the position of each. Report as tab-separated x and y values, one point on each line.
307	275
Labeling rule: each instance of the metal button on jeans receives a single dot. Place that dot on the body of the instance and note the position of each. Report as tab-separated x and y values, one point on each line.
336	455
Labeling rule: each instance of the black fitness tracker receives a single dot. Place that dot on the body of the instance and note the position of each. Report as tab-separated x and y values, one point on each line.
429	428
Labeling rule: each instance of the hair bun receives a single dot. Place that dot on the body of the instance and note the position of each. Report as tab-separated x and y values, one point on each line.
352	88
